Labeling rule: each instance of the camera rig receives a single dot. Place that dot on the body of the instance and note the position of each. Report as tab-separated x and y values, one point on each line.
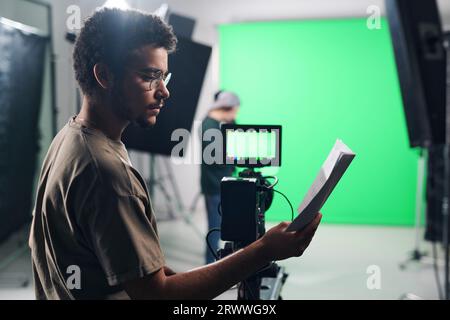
246	198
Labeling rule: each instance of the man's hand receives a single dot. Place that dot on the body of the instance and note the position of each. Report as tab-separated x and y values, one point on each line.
279	244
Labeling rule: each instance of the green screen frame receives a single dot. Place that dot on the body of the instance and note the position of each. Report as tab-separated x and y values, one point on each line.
322	80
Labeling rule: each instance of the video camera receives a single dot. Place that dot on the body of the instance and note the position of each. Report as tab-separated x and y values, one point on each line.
246	198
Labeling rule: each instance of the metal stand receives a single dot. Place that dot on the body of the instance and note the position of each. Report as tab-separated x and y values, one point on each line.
445	218
264	285
445	202
271	286
416	255
174	204
446	194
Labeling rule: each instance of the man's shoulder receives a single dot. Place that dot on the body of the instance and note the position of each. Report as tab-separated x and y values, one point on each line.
86	155
77	149
110	160
78	146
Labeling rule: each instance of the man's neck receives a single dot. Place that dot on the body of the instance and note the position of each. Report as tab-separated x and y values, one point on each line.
101	117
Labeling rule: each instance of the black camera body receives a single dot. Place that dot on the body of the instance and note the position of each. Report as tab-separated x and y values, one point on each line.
244	201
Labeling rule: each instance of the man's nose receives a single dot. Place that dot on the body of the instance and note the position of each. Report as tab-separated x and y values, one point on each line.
163	92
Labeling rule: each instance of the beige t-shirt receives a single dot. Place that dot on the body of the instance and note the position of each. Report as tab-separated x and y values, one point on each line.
93	224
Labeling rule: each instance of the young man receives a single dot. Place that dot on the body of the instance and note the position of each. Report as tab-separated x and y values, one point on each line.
94	234
223	110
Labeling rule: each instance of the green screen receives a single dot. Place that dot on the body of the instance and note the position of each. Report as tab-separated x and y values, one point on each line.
323	80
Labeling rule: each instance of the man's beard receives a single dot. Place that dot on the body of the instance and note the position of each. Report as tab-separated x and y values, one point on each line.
143	122
124	111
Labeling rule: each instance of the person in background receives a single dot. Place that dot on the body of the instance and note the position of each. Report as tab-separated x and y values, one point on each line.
223	110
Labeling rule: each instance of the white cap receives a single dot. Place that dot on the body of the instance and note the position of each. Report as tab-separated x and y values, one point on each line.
226	99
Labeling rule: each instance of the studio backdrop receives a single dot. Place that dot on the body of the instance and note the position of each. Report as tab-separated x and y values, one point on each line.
22	57
322	80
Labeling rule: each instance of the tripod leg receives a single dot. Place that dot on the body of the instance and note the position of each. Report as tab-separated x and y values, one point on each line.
155	182
446	220
194	203
178	202
169	201
174	186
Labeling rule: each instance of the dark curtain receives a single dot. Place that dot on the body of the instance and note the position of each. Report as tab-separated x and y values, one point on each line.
21	76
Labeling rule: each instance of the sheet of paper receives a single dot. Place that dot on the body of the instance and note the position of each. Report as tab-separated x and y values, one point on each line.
329	175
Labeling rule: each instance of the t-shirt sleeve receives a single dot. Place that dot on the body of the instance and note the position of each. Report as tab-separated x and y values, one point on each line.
122	232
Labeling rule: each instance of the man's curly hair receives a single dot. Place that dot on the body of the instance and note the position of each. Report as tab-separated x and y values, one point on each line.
110	35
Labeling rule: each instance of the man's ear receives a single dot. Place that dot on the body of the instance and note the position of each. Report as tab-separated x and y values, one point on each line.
103	75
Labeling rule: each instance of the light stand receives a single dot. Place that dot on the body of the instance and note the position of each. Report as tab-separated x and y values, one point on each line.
445	219
416	254
445	202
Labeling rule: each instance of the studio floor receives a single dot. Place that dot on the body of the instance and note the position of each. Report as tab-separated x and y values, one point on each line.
341	263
